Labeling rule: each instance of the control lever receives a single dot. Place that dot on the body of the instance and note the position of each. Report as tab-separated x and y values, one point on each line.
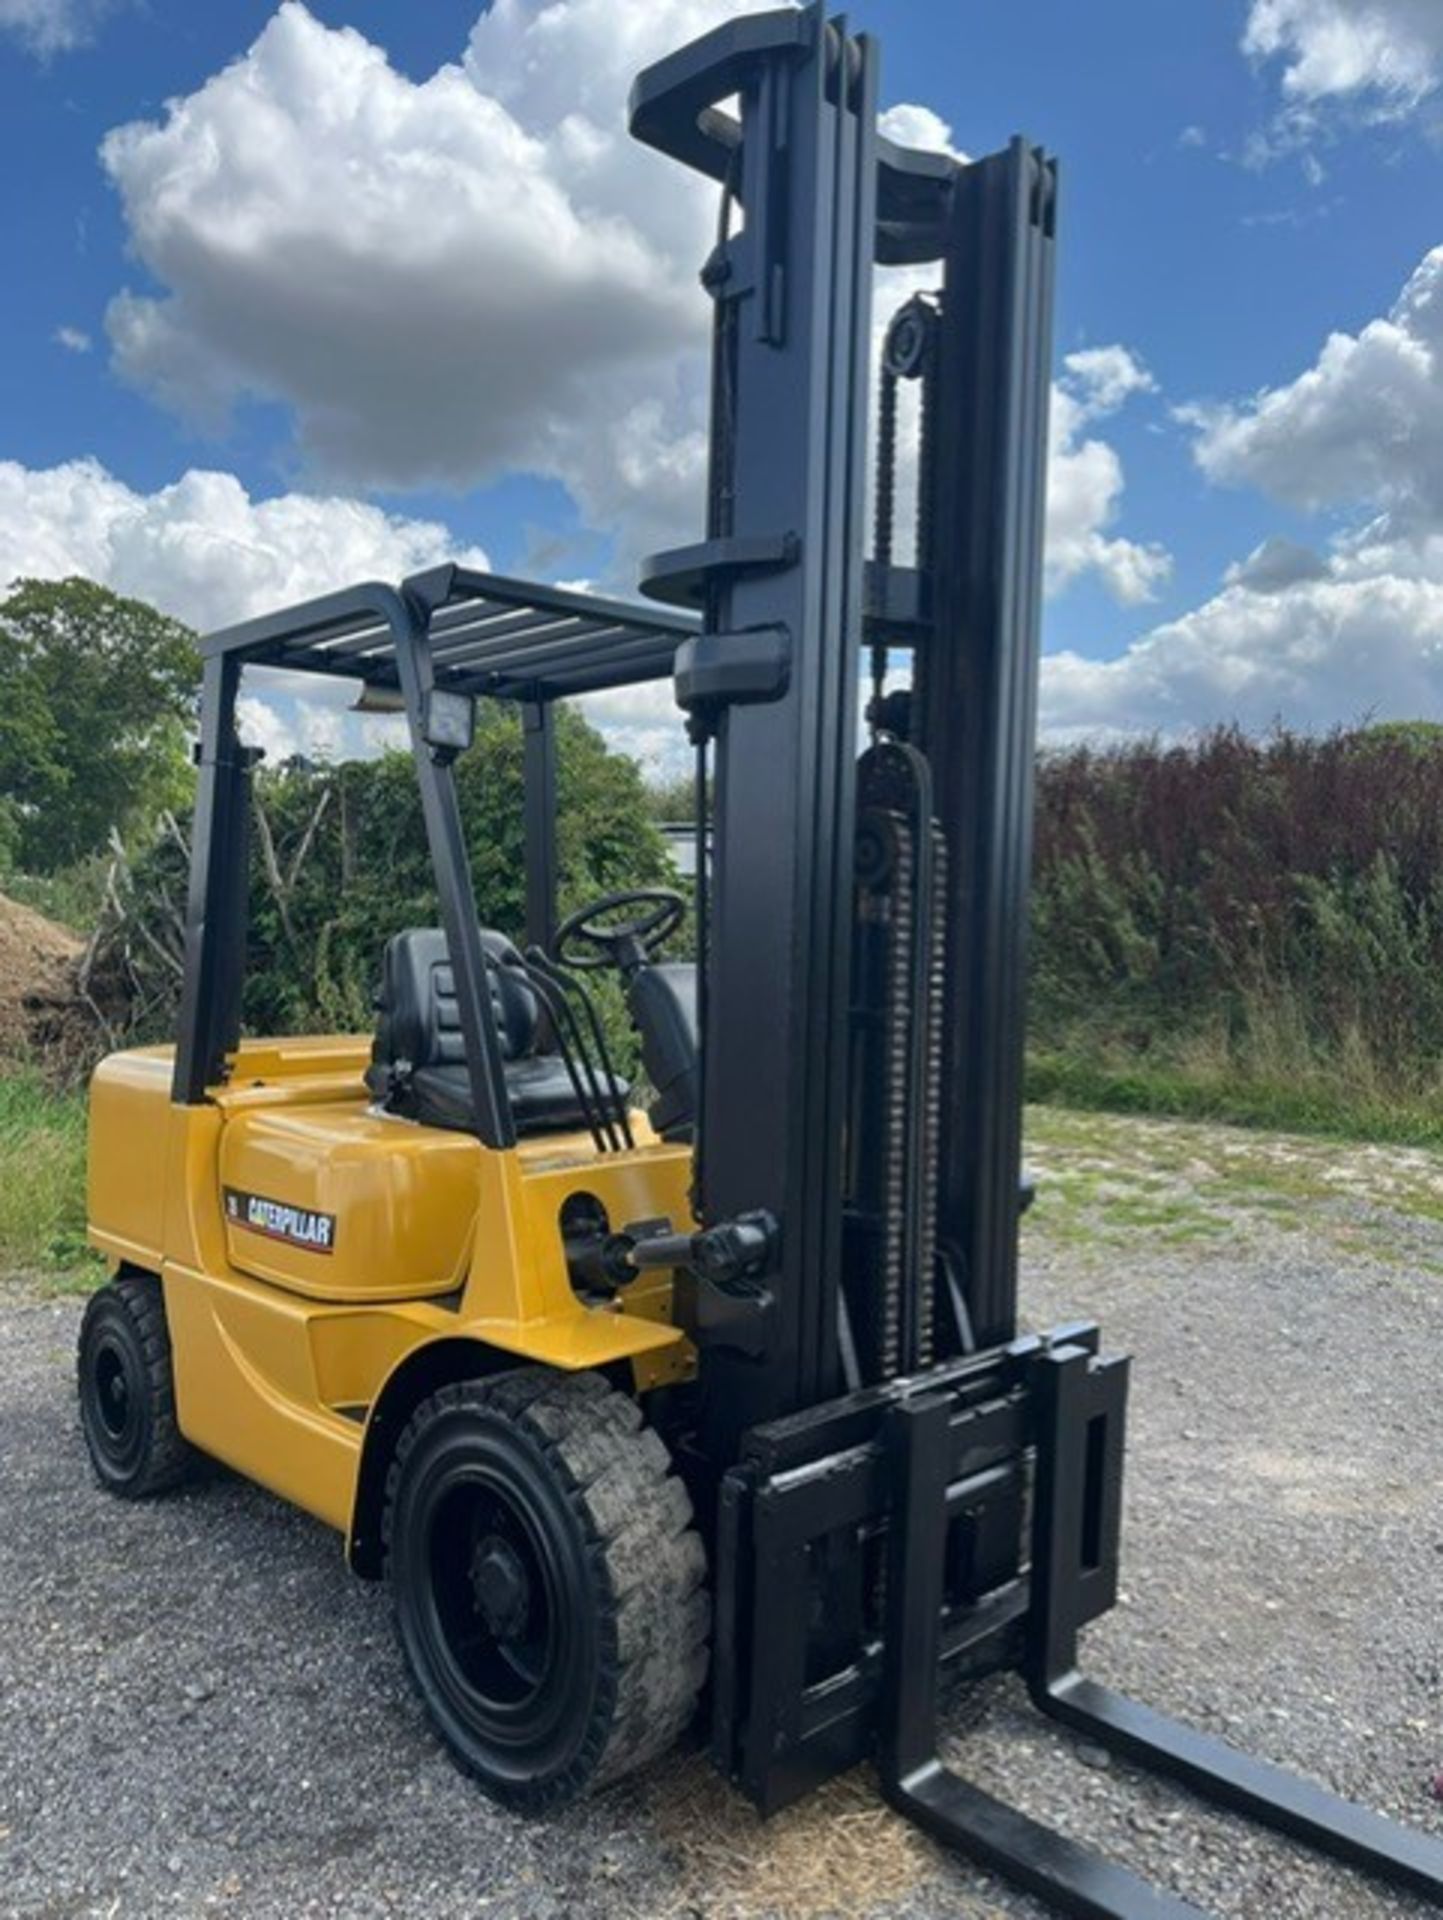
732	1256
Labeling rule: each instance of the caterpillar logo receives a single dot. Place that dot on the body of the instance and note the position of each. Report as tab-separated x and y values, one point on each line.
297	1226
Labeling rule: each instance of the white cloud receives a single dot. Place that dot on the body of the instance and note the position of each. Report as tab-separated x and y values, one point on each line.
53	26
289	714
1316	638
1101	379
445	280
1085	481
913	125
1316	654
323	731
645	722
1363	426
73	339
1386	55
475	273
1277	565
260	724
202	549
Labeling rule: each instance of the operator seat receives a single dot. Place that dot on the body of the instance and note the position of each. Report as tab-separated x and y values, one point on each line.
418	1057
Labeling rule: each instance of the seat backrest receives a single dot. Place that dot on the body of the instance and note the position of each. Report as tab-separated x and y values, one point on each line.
418	1017
662	1003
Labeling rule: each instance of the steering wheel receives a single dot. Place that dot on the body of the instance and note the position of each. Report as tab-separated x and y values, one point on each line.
588	938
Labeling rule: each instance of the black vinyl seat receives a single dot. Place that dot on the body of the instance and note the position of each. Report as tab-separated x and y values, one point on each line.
418	1057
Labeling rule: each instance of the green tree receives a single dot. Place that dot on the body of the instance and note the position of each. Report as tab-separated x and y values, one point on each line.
95	695
340	862
673	798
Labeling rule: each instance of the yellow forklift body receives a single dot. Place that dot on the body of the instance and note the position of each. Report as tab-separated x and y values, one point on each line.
407	1195
310	1246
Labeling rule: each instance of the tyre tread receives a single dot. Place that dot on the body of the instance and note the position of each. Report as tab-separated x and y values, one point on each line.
170	1456
637	1521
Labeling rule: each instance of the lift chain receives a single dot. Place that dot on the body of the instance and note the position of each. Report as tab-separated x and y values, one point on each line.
900	906
884	505
931	1013
900	923
909	352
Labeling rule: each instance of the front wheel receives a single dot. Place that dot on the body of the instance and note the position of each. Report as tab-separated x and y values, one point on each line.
548	1582
127	1390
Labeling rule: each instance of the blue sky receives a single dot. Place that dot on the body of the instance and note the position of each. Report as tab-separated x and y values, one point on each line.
379	305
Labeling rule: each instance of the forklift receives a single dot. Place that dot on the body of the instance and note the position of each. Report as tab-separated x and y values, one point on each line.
708	1396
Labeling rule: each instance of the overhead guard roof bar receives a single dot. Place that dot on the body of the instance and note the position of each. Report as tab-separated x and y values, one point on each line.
484	633
505	638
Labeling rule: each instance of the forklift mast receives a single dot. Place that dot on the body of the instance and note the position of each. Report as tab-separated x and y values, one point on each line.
892	1479
812	195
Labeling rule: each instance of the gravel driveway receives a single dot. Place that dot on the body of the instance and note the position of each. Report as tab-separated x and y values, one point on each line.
200	1712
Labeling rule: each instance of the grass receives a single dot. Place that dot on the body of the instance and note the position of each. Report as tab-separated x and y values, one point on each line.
1320	1101
73	896
1107	1184
42	1186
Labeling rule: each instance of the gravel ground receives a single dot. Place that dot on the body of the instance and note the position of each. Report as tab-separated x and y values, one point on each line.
201	1712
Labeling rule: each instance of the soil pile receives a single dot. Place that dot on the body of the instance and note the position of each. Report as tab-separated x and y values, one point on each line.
40	1008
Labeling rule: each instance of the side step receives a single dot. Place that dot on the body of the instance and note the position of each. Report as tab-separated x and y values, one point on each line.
1078	1414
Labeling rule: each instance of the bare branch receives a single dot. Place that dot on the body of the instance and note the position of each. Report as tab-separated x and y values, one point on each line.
273	869
303	850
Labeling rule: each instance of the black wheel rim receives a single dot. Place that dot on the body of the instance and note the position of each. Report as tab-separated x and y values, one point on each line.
502	1639
114	1404
112	1394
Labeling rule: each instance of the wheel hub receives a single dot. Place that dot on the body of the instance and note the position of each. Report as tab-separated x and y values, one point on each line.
502	1587
112	1394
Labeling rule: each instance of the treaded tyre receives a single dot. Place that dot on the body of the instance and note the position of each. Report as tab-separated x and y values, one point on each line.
127	1390
549	1585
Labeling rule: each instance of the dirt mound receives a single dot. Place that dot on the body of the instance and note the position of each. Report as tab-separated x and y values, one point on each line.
38	1001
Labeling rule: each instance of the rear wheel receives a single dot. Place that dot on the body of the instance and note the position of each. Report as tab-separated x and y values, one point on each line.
127	1390
548	1582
